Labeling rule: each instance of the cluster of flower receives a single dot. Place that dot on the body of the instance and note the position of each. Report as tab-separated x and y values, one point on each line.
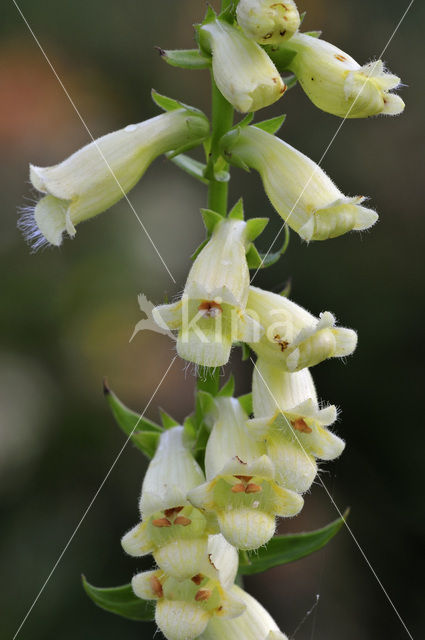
256	469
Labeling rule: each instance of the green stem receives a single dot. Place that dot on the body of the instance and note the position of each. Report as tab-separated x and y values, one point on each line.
222	121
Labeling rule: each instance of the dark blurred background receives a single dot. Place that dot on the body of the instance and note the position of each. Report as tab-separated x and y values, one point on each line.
68	315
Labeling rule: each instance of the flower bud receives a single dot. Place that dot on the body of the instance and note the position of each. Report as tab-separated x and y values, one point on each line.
184	608
242	70
289	420
211	313
241	489
293	337
255	623
173	530
337	84
299	189
94	178
268	22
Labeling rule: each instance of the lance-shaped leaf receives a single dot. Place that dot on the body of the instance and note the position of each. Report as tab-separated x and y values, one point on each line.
144	433
121	601
185	58
272	125
288	548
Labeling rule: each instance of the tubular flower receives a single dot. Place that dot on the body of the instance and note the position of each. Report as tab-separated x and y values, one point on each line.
172	529
293	337
241	489
254	624
289	420
268	22
210	316
336	83
184	608
242	70
92	179
299	190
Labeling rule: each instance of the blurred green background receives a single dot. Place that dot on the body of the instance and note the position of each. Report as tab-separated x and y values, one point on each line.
68	314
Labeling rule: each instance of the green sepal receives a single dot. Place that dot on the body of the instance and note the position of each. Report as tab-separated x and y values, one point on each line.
290	81
258	260
286	291
189	427
302	16
227	389
165	103
168	421
246	120
121	601
229	13
228	140
145	436
199	249
208	380
246	351
236	213
204	406
272	125
246	403
193	167
200	36
211	219
313	34
253	258
255	226
281	56
185	58
288	548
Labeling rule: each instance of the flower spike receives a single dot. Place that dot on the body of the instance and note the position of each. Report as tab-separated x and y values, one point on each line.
184	608
255	623
94	178
298	188
240	489
242	70
210	316
293	337
337	84
289	420
267	21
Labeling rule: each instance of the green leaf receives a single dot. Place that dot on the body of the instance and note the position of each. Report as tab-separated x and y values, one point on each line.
146	434
193	167
120	600
208	380
189	427
288	548
246	403
302	16
167	421
204	405
185	58
255	226
236	213
211	219
227	390
272	125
